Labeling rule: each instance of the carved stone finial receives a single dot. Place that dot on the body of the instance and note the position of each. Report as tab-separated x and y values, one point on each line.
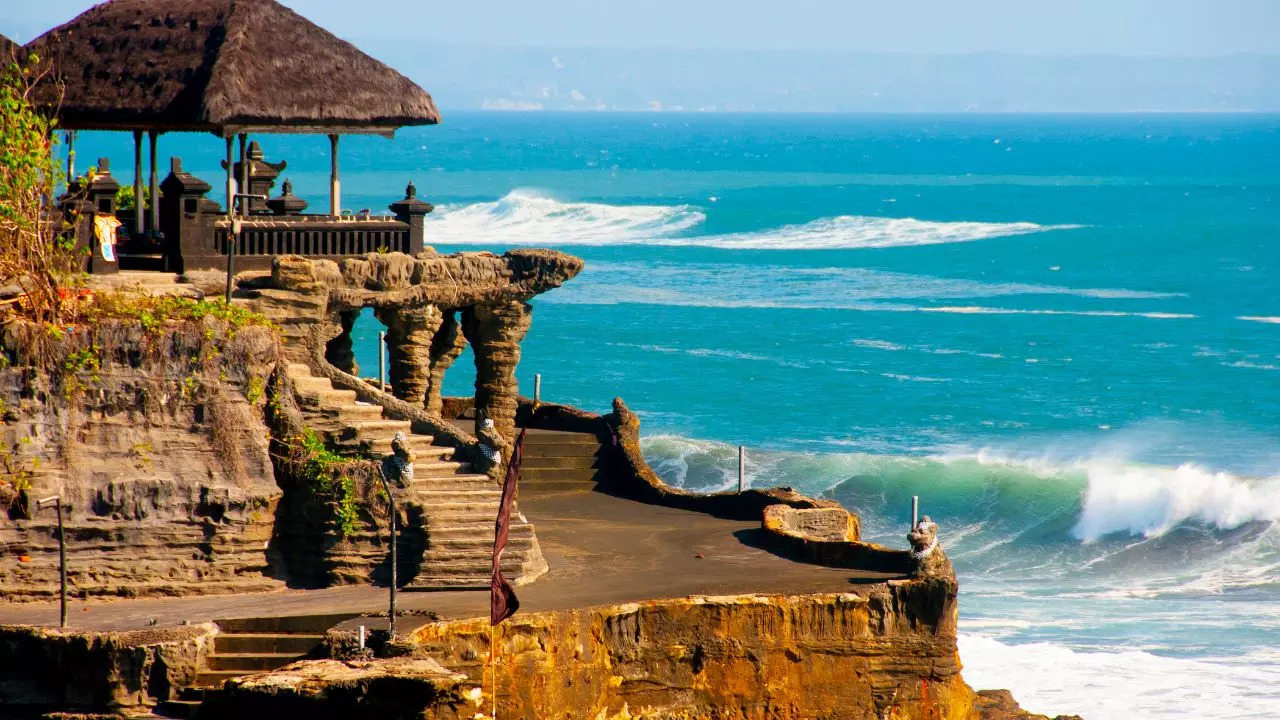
287	189
410	191
287	203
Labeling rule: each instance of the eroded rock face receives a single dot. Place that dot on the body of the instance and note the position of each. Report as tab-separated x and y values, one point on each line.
887	653
163	469
926	552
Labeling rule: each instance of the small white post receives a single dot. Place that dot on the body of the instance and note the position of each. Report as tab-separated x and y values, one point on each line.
915	510
742	467
360	634
382	361
537	388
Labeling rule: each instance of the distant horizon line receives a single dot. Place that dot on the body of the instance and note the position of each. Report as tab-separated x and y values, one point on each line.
957	113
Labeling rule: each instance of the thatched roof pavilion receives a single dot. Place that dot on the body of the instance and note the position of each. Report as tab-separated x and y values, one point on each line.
222	66
230	67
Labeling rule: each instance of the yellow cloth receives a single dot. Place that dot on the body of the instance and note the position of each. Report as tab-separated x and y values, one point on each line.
104	228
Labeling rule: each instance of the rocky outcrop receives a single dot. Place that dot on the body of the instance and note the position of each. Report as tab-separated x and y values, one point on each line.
432	305
888	652
393	689
46	669
154	439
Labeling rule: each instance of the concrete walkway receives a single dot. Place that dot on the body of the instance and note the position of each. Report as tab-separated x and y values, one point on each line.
602	550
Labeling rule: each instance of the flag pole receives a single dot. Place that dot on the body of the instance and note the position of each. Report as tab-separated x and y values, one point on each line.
493	676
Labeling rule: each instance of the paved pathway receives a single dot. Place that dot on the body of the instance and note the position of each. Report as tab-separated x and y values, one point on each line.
601	549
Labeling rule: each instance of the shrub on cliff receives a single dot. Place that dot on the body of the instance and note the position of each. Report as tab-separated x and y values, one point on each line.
36	258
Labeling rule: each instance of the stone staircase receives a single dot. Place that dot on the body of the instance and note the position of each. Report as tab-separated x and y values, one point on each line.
460	506
555	460
250	645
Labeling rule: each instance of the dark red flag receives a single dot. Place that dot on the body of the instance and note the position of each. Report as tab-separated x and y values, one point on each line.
503	602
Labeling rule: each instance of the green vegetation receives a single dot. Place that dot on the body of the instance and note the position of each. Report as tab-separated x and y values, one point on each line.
36	255
327	476
154	312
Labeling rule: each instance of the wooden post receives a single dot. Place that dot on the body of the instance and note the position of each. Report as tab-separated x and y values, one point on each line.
231	214
382	361
138	200
56	501
155	185
742	467
71	155
335	185
244	175
915	510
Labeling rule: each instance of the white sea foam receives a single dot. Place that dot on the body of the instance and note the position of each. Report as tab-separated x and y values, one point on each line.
528	217
979	310
1054	679
1149	501
1261	318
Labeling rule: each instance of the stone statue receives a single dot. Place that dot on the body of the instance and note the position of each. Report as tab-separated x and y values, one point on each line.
398	465
491	443
928	555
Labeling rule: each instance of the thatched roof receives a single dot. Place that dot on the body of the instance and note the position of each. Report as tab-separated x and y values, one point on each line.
221	66
8	48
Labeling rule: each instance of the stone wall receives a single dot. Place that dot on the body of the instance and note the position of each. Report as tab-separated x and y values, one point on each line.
48	669
155	441
885	653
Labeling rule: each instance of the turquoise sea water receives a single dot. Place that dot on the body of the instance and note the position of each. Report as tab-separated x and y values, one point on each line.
1061	332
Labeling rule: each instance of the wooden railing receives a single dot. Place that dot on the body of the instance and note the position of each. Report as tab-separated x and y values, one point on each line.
314	236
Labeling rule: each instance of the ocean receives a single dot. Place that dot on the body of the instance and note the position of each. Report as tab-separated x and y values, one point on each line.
1062	332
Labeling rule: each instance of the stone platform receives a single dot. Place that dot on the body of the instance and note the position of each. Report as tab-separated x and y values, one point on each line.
601	550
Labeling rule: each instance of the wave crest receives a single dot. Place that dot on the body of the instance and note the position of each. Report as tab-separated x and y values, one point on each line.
528	217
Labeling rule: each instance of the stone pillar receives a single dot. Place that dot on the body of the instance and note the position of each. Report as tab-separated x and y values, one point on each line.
495	332
446	346
410	331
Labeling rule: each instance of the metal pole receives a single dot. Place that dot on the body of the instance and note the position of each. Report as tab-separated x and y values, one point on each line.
742	467
391	503
62	568
537	388
915	510
382	361
155	185
138	202
231	214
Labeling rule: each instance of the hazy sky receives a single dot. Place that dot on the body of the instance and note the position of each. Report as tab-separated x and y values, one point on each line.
1128	27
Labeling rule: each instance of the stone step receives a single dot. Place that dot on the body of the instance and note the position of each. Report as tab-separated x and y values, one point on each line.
445	469
419	444
432	582
559	449
379	427
283	624
575	462
470	543
479	566
535	475
296	370
178	709
436	496
354	412
309	383
542	437
249	662
323	398
215	678
296	643
448	483
463	531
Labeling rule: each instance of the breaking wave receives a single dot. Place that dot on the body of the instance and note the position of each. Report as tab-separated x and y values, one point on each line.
527	217
1100	516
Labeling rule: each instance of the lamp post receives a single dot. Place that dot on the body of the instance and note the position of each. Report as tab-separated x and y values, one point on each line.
391	502
56	501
